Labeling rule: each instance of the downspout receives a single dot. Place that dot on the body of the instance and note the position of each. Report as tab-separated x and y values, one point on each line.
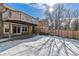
10	26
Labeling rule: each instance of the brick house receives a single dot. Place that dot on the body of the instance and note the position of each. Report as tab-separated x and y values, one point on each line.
43	26
16	22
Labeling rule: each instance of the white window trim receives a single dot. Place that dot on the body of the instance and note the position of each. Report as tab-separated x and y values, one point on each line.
21	25
24	26
4	28
12	29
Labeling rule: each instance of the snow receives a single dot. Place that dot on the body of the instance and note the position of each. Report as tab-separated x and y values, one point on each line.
9	44
1	40
44	46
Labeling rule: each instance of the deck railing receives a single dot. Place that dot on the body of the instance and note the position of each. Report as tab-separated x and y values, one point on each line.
20	16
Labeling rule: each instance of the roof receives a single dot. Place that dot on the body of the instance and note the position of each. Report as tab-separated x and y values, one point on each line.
5	6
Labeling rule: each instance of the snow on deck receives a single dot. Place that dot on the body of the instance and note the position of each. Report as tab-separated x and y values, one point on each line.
45	46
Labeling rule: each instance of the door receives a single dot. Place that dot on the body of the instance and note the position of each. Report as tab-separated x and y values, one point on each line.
16	29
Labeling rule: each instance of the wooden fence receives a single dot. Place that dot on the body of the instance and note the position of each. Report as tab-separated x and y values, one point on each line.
64	33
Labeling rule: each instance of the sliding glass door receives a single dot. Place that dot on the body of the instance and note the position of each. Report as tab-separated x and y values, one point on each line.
16	29
19	28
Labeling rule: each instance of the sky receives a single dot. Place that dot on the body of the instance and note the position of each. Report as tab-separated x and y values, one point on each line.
36	10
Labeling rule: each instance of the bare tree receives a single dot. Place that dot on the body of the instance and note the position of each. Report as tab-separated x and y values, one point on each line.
74	23
68	18
62	13
55	15
76	13
58	14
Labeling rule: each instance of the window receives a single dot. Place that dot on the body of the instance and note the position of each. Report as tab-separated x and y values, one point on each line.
16	29
24	28
6	28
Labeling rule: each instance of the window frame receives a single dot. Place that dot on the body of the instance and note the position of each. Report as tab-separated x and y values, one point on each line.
17	25
4	31
25	28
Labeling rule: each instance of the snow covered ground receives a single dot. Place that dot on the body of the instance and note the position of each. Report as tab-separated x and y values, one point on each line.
9	44
42	46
